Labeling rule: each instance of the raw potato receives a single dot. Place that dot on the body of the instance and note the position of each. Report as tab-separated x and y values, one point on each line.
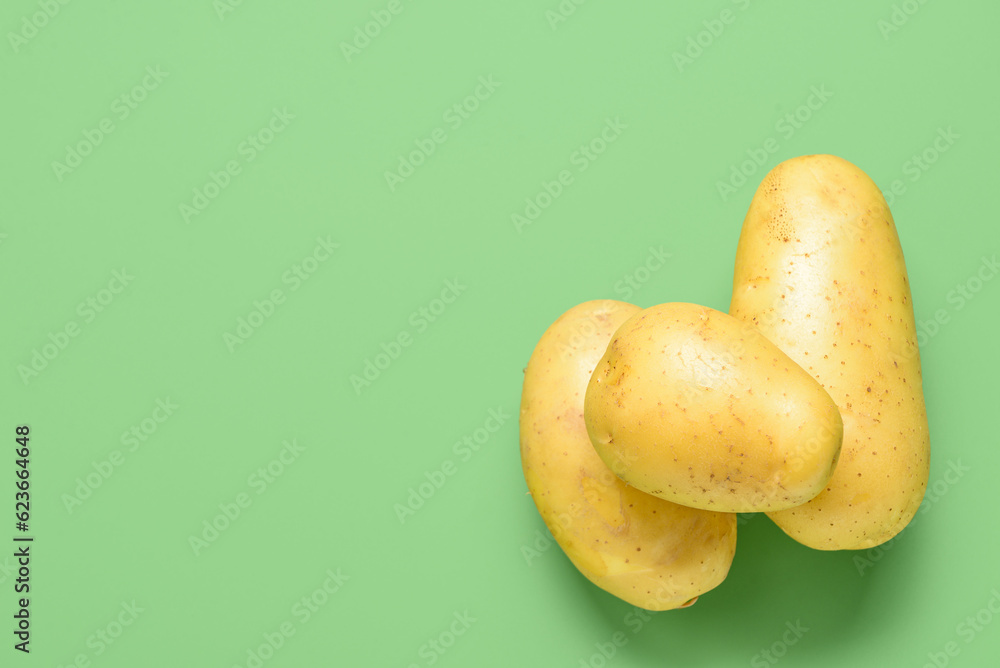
647	551
820	271
698	408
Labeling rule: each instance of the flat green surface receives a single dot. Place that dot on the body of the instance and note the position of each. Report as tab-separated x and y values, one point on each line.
200	242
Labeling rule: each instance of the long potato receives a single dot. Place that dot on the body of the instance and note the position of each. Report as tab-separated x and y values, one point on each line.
819	269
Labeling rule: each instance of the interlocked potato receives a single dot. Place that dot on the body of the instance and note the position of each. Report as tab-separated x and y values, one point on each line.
820	271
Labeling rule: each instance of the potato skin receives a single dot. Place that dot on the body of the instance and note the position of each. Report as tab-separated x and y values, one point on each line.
819	269
698	408
649	552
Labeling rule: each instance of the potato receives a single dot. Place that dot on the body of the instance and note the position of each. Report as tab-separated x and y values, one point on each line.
647	551
820	271
696	407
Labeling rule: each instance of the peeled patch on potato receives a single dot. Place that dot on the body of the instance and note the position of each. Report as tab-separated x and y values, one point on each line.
820	271
647	551
698	408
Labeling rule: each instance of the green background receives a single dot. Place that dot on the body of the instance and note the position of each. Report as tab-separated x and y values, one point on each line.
466	550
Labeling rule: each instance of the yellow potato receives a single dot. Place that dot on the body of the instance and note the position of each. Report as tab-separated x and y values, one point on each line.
820	271
647	551
696	407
